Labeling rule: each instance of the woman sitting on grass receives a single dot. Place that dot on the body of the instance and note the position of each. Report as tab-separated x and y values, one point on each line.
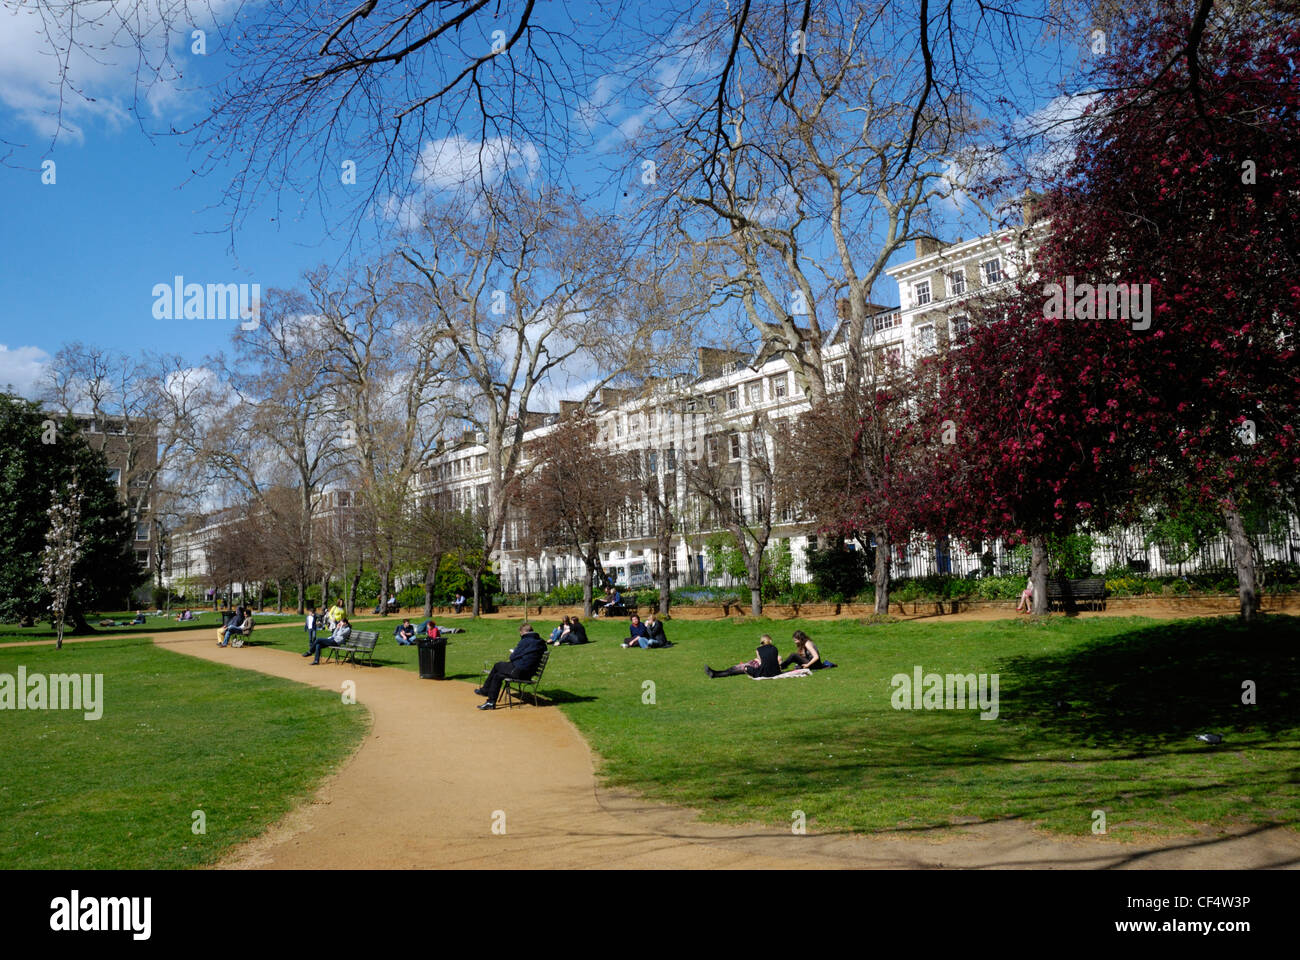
560	631
766	662
806	655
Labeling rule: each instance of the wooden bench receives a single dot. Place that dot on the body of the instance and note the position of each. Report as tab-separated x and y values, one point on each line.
360	643
1070	594
514	689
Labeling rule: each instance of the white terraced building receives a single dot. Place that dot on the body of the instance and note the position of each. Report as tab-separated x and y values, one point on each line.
727	390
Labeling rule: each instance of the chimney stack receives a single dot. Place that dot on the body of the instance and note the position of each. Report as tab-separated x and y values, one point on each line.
926	246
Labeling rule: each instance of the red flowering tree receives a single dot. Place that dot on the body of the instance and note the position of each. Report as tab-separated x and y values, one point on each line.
1154	345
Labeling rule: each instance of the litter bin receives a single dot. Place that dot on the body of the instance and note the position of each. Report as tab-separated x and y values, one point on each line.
432	655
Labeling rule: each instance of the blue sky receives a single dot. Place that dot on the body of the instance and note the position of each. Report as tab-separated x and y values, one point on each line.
79	257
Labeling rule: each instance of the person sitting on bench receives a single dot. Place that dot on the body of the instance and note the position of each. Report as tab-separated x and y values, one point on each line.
521	666
766	663
243	619
335	639
405	634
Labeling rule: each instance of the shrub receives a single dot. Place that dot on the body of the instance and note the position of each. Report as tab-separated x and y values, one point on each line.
837	572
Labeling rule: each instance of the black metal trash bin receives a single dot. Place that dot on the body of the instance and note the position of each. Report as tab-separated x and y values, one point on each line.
432	655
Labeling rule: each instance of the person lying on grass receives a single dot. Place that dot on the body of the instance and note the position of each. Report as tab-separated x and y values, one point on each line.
766	663
806	655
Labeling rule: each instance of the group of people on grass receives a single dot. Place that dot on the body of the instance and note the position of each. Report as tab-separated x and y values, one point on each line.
569	632
648	635
767	660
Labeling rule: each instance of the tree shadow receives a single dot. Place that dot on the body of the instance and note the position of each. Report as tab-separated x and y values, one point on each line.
1162	683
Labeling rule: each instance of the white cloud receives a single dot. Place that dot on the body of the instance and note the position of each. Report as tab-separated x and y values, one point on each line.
21	368
1057	127
55	77
456	160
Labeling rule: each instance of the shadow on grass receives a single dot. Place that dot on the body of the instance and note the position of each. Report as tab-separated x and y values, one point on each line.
1162	683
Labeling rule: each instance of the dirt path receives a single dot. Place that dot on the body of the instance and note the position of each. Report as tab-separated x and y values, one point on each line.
434	775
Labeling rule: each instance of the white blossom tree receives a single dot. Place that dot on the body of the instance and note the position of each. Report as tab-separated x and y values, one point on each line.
62	549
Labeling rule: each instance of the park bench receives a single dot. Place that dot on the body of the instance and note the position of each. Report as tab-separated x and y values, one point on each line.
514	689
361	643
239	639
1070	594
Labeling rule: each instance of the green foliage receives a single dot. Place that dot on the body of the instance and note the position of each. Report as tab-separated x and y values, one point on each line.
837	572
29	469
1070	556
451	579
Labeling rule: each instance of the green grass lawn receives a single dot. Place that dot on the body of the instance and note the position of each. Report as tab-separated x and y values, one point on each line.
1138	691
12	633
177	735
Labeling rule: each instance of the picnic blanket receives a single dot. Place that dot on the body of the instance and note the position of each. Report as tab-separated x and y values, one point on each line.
801	672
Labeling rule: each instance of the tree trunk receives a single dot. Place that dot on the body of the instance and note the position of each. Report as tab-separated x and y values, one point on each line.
586	587
474	582
1038	572
881	573
352	591
1243	555
300	584
279	597
325	591
429	576
665	565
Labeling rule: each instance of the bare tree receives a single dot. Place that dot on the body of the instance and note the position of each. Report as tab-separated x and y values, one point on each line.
574	496
734	473
529	294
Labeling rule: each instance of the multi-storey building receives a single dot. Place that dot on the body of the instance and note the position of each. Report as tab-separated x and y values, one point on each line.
705	415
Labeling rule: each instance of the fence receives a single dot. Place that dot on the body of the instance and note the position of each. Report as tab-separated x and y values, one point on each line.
1110	551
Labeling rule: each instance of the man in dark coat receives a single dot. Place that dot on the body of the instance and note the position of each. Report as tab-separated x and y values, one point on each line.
521	665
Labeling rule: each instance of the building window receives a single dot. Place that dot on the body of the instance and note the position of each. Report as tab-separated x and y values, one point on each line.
992	271
618	426
670	460
733	399
788	513
956	283
925	338
886	321
634	423
733	445
778	386
115	477
738	501
652	462
142	557
713	403
760	501
711	449
754	393
142	530
922	292
960	327
837	374
650	420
